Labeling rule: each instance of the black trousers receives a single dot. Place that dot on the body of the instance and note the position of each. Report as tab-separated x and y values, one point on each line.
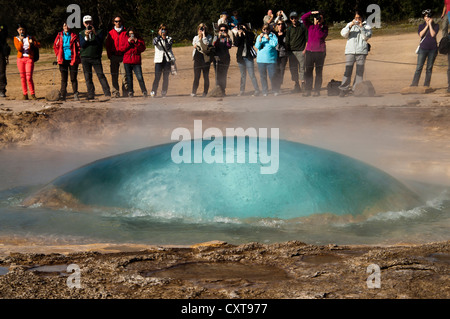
200	67
3	81
96	63
314	60
65	68
163	69
221	68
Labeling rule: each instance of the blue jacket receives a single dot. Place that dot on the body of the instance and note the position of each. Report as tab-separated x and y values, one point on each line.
267	49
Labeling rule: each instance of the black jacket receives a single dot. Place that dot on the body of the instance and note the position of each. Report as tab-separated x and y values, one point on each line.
249	39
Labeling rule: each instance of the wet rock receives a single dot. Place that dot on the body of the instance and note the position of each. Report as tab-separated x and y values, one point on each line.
364	89
53	95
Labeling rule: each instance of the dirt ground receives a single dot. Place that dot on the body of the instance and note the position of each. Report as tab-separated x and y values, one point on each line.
406	135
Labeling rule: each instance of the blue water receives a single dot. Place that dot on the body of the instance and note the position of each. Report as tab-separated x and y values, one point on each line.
316	196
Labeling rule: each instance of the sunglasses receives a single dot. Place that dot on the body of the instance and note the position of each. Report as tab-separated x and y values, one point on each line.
117	21
223	30
293	18
428	11
279	23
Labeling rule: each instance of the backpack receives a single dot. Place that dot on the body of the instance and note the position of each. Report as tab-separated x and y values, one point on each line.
444	45
333	88
6	50
35	53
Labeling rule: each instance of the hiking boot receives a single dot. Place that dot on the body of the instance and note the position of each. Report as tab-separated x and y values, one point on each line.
33	97
25	97
145	94
130	94
2	94
76	97
297	88
163	93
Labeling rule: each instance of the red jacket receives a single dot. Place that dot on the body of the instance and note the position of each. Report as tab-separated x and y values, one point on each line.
113	42
74	48
133	51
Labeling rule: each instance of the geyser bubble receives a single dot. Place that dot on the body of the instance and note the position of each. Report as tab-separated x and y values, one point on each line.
309	181
213	152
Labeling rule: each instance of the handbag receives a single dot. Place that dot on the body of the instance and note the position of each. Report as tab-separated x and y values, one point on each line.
418	47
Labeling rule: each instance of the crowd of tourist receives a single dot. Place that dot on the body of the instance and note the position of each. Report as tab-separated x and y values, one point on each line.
295	40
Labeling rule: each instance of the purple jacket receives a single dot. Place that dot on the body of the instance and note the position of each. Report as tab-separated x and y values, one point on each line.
316	35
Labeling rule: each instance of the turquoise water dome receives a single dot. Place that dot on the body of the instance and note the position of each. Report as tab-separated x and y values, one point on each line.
305	180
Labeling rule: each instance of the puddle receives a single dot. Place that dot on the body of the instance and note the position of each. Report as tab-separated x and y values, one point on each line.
3	270
220	271
440	257
60	270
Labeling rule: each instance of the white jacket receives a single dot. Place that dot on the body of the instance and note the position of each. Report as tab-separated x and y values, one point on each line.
159	50
356	38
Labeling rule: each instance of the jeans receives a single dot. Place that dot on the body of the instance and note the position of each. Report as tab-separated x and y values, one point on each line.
26	67
264	70
64	69
199	68
247	65
117	67
96	63
297	66
281	67
163	69
430	56
137	69
3	81
314	60
350	60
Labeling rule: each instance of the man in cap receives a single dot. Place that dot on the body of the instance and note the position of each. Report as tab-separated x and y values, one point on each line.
91	42
296	38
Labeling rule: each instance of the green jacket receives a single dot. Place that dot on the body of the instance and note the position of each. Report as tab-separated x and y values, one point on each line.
92	48
296	38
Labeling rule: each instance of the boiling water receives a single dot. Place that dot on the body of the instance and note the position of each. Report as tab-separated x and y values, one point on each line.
187	214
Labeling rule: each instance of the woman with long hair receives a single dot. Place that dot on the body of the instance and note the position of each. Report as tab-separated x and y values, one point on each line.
163	59
132	60
245	57
25	46
428	48
67	50
267	56
202	43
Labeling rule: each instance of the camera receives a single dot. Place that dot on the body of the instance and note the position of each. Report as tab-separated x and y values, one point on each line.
316	16
202	29
89	27
242	27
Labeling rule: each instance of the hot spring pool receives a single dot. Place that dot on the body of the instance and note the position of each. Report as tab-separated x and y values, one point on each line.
315	196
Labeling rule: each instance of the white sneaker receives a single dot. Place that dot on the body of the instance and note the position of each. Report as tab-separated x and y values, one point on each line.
152	93
193	94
